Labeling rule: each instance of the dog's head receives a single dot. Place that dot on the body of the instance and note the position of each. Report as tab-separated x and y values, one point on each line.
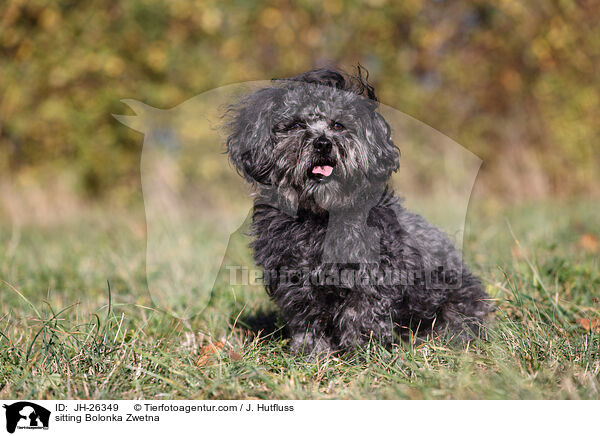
316	139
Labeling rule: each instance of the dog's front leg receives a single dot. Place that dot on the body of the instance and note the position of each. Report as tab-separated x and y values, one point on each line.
310	342
349	240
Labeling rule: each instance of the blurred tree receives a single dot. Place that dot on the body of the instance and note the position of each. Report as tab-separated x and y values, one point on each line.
515	81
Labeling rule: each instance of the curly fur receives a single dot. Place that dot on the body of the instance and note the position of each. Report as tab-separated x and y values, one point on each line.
343	260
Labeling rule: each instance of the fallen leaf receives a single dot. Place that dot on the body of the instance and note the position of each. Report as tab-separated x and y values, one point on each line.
208	352
235	356
589	242
590	324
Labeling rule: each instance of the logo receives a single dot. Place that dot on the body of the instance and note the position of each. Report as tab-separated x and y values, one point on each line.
26	415
176	195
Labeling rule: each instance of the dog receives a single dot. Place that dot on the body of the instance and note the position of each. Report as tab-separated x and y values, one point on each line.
343	260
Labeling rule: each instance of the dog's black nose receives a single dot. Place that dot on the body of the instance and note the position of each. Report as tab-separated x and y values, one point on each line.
323	145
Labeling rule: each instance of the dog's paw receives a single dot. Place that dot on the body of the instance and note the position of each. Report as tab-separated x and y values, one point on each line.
310	345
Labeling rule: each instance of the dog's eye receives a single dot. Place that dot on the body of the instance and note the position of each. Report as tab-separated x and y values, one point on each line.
337	126
296	125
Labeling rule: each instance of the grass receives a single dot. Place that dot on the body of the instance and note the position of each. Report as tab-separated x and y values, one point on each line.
77	321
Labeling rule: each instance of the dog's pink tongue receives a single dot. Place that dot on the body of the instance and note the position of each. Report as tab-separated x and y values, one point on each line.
325	170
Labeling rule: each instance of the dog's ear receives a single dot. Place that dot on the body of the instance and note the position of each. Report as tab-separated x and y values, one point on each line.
386	153
250	144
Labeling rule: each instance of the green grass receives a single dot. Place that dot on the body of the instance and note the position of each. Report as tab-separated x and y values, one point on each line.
76	321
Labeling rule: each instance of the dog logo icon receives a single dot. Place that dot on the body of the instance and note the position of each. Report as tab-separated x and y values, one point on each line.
26	415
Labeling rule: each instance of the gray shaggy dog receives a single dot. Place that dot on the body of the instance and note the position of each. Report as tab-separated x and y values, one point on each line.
343	260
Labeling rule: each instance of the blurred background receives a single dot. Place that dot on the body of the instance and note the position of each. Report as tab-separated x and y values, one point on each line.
515	82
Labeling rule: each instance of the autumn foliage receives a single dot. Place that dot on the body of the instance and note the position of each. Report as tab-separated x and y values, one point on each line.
516	82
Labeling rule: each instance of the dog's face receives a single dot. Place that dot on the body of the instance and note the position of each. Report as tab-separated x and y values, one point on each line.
315	139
